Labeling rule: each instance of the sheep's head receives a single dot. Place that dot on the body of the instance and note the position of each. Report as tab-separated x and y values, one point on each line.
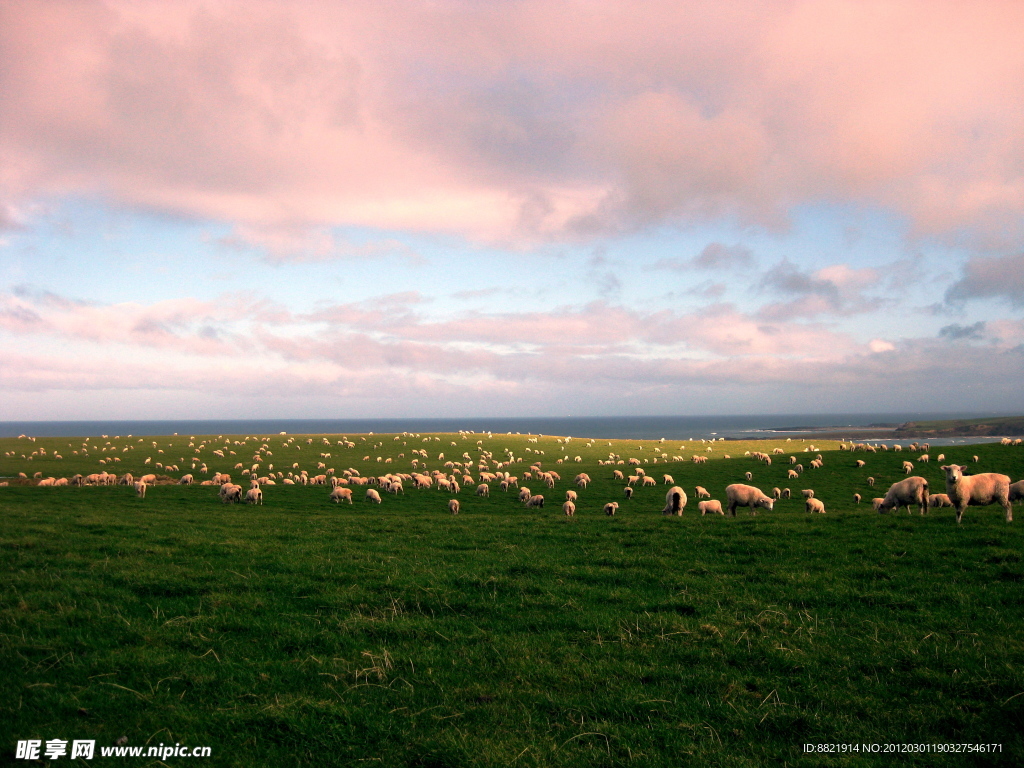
953	472
766	503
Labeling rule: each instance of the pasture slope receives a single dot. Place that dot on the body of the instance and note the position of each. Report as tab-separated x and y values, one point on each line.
307	633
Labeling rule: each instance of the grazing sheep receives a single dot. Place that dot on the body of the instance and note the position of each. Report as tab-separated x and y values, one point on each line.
924	457
908	466
702	492
524	494
977	490
856	498
570	496
976	459
582	480
675	501
254	496
936	500
617	475
611	508
628	491
749	476
815	505
372	495
786	493
669	480
483	490
776	493
535	502
633	479
648	480
792	474
186	480
860	463
871	482
714	507
808	493
740	495
1016	491
454	506
569	508
913	490
340	494
151	479
140	489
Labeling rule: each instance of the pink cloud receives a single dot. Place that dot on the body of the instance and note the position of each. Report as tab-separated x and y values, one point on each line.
287	119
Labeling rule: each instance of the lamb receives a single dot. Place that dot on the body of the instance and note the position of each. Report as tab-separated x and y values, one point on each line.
254	496
856	498
483	490
913	490
977	490
454	506
792	474
648	480
714	506
908	466
570	496
701	491
582	480
740	495
372	496
808	493
876	504
140	489
230	493
786	493
611	508
633	479
617	475
186	480
860	463
939	500
815	505
524	494
340	494
776	493
535	502
675	501
871	481
628	491
569	508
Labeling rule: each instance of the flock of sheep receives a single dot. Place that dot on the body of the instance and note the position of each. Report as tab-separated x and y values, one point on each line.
962	490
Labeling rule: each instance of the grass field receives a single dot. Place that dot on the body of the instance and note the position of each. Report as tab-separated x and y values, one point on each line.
305	633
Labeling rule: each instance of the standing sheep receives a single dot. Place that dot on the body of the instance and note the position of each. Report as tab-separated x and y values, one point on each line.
483	490
372	496
628	491
714	506
913	490
740	495
535	502
340	494
569	508
453	506
701	492
977	490
815	505
570	496
254	496
140	489
611	507
675	501
856	498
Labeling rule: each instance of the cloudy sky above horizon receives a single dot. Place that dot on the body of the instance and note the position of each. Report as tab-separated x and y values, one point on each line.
313	209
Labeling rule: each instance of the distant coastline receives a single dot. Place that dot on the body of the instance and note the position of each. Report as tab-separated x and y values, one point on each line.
871	426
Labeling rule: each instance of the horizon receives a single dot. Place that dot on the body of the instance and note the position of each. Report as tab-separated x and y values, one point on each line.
210	210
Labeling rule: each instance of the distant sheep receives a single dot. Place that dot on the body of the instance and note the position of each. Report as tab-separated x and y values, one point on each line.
711	507
628	491
140	489
977	490
808	493
611	508
669	480
340	494
569	509
701	492
871	481
524	494
254	496
483	490
786	493
937	500
908	467
372	496
186	480
792	474
913	490
876	504
649	481
535	502
860	463
740	495
454	506
749	476
570	496
856	498
675	501
776	493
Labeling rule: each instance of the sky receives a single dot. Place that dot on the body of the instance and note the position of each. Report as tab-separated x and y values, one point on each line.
521	208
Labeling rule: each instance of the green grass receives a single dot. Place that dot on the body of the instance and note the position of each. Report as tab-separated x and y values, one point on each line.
304	633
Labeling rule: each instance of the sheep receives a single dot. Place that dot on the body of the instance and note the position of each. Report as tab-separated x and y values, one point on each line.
535	502
628	491
749	476
786	493
913	490
792	474
148	479
976	490
140	489
1016	491
815	505
860	463
976	459
856	498
372	496
454	506
908	466
937	500
808	493
340	494
633	479
570	496
776	493
648	480
569	508
186	480
675	501
924	457
524	494
582	480
876	504
740	495
254	496
714	506
611	508
483	490
871	482
230	493
617	475
701	492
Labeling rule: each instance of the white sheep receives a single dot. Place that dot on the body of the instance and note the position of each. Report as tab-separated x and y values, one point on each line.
913	490
808	493
740	495
570	496
483	490
648	480
454	506
937	500
569	508
714	507
372	496
856	498
254	496
340	494
749	476
535	502
702	492
628	491
675	501
977	490
140	489
611	508
186	480
814	505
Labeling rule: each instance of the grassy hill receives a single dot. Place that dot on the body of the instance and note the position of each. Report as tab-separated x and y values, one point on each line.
993	427
306	633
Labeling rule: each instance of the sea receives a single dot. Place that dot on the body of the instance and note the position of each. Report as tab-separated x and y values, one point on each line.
730	427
